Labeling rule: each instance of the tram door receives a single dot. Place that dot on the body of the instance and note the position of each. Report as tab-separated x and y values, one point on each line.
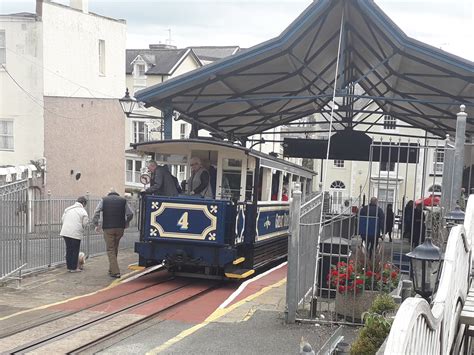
232	180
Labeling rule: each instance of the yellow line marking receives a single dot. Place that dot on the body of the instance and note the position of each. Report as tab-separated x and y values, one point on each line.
238	261
111	285
218	313
231	275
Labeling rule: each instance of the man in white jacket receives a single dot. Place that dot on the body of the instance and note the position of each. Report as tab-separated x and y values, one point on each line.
74	220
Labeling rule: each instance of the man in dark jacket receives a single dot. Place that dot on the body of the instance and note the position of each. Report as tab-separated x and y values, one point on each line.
116	215
371	221
162	183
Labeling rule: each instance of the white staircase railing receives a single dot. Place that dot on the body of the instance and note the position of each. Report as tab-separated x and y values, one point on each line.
419	329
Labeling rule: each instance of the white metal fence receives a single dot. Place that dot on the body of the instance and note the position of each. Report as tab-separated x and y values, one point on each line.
29	232
421	329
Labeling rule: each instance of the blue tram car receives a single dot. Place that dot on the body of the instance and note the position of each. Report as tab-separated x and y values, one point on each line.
243	227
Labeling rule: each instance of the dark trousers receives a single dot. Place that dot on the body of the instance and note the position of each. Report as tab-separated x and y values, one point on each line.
371	241
72	252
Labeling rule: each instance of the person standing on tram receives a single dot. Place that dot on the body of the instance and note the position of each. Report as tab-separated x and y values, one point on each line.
162	183
199	183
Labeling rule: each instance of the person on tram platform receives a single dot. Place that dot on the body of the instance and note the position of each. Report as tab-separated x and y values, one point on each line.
162	182
199	183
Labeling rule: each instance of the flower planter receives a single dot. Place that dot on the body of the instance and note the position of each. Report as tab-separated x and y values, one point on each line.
352	306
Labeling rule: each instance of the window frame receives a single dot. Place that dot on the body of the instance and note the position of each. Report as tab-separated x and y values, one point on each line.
134	173
438	164
389	123
102	53
2	135
134	135
182	132
385	164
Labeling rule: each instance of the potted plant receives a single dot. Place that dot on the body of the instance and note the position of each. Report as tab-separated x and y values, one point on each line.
357	285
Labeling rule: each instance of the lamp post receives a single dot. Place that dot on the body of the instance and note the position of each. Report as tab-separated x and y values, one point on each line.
425	261
128	103
454	217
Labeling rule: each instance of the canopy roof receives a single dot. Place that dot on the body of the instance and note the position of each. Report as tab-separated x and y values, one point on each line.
292	76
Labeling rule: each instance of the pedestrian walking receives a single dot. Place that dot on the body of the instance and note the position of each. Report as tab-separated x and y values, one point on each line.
389	218
74	220
371	219
116	215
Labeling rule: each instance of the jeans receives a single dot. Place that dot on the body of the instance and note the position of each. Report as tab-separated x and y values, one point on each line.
72	252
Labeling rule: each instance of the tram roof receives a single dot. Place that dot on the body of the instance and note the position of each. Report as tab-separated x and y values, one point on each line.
203	143
291	76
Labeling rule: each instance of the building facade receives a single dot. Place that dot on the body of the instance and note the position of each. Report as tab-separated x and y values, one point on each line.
64	76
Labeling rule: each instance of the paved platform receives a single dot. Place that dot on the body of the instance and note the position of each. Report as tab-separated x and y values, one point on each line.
250	323
57	284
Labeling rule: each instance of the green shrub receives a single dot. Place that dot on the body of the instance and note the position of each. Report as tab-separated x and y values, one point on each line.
376	326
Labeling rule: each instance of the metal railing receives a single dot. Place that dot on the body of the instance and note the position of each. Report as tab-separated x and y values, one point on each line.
29	233
421	329
302	251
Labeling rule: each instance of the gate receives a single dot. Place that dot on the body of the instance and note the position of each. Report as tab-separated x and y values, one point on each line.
30	227
334	274
13	221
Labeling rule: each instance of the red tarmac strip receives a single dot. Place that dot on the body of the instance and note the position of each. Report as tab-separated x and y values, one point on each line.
193	311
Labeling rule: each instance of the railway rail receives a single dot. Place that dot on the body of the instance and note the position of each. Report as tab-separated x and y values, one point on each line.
170	293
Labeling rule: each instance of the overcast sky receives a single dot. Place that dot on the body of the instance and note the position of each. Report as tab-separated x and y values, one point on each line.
446	24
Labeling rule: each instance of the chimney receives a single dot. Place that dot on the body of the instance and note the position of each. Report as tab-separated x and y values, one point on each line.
81	5
39	8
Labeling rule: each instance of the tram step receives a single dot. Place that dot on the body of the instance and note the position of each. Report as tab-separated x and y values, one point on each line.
239	273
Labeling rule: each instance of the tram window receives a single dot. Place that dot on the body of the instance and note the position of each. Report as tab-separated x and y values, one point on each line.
249	186
275	185
231	178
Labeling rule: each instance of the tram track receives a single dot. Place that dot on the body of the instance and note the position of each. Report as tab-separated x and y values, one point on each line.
96	342
60	315
170	298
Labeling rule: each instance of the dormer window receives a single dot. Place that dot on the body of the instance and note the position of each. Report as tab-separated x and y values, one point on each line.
139	69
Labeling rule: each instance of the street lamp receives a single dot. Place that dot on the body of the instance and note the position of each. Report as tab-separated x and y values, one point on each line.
454	217
128	103
425	262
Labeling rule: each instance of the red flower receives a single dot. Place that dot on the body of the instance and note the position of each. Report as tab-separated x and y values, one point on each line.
394	274
342	289
369	273
359	282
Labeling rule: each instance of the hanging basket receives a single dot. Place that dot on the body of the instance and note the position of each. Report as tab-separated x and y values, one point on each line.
352	306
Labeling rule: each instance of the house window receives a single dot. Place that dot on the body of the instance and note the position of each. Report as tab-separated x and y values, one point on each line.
6	135
337	192
140	132
386	166
385	196
339	163
101	57
140	69
182	131
389	122
3	48
133	171
438	161
181	173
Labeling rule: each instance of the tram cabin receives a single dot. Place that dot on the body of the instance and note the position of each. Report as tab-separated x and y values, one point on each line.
241	228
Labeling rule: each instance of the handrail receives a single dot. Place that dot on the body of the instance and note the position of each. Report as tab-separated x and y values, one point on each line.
419	329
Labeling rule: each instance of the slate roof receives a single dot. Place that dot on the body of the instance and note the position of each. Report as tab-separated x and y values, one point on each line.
162	61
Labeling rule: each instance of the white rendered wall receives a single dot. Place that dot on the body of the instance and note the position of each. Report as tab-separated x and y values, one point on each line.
23	107
71	53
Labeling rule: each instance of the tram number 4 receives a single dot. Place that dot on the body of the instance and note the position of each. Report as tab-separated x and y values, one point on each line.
183	221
